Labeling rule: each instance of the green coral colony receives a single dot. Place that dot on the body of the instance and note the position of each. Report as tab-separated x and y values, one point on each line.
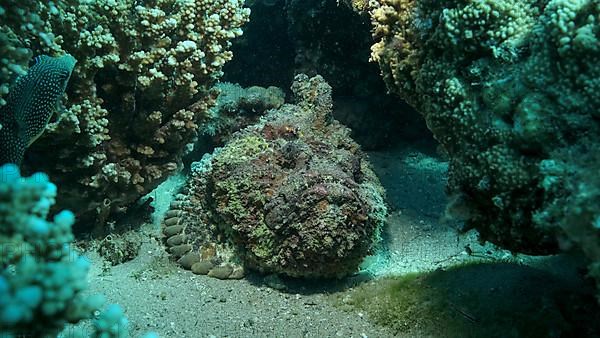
109	99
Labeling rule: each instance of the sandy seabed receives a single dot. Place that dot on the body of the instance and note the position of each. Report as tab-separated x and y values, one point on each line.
159	296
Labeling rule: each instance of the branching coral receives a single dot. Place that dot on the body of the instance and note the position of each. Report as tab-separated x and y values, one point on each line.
42	279
292	194
138	94
511	91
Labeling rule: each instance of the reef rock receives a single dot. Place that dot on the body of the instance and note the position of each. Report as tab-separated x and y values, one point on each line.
292	194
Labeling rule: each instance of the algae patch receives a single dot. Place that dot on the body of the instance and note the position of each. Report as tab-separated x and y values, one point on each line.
479	300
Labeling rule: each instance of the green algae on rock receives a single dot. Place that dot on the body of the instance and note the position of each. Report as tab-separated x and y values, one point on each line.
292	194
31	102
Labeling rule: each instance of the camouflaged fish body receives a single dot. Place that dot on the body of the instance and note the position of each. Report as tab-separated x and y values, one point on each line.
31	102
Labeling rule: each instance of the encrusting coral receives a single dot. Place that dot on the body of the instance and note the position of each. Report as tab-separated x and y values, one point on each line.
139	92
291	194
31	103
511	91
42	278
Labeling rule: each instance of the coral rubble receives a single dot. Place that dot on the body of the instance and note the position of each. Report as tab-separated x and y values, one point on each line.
137	96
292	194
510	89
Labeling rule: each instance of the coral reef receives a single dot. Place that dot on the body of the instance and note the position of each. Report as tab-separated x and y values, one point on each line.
322	37
510	89
31	104
137	96
292	194
43	279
